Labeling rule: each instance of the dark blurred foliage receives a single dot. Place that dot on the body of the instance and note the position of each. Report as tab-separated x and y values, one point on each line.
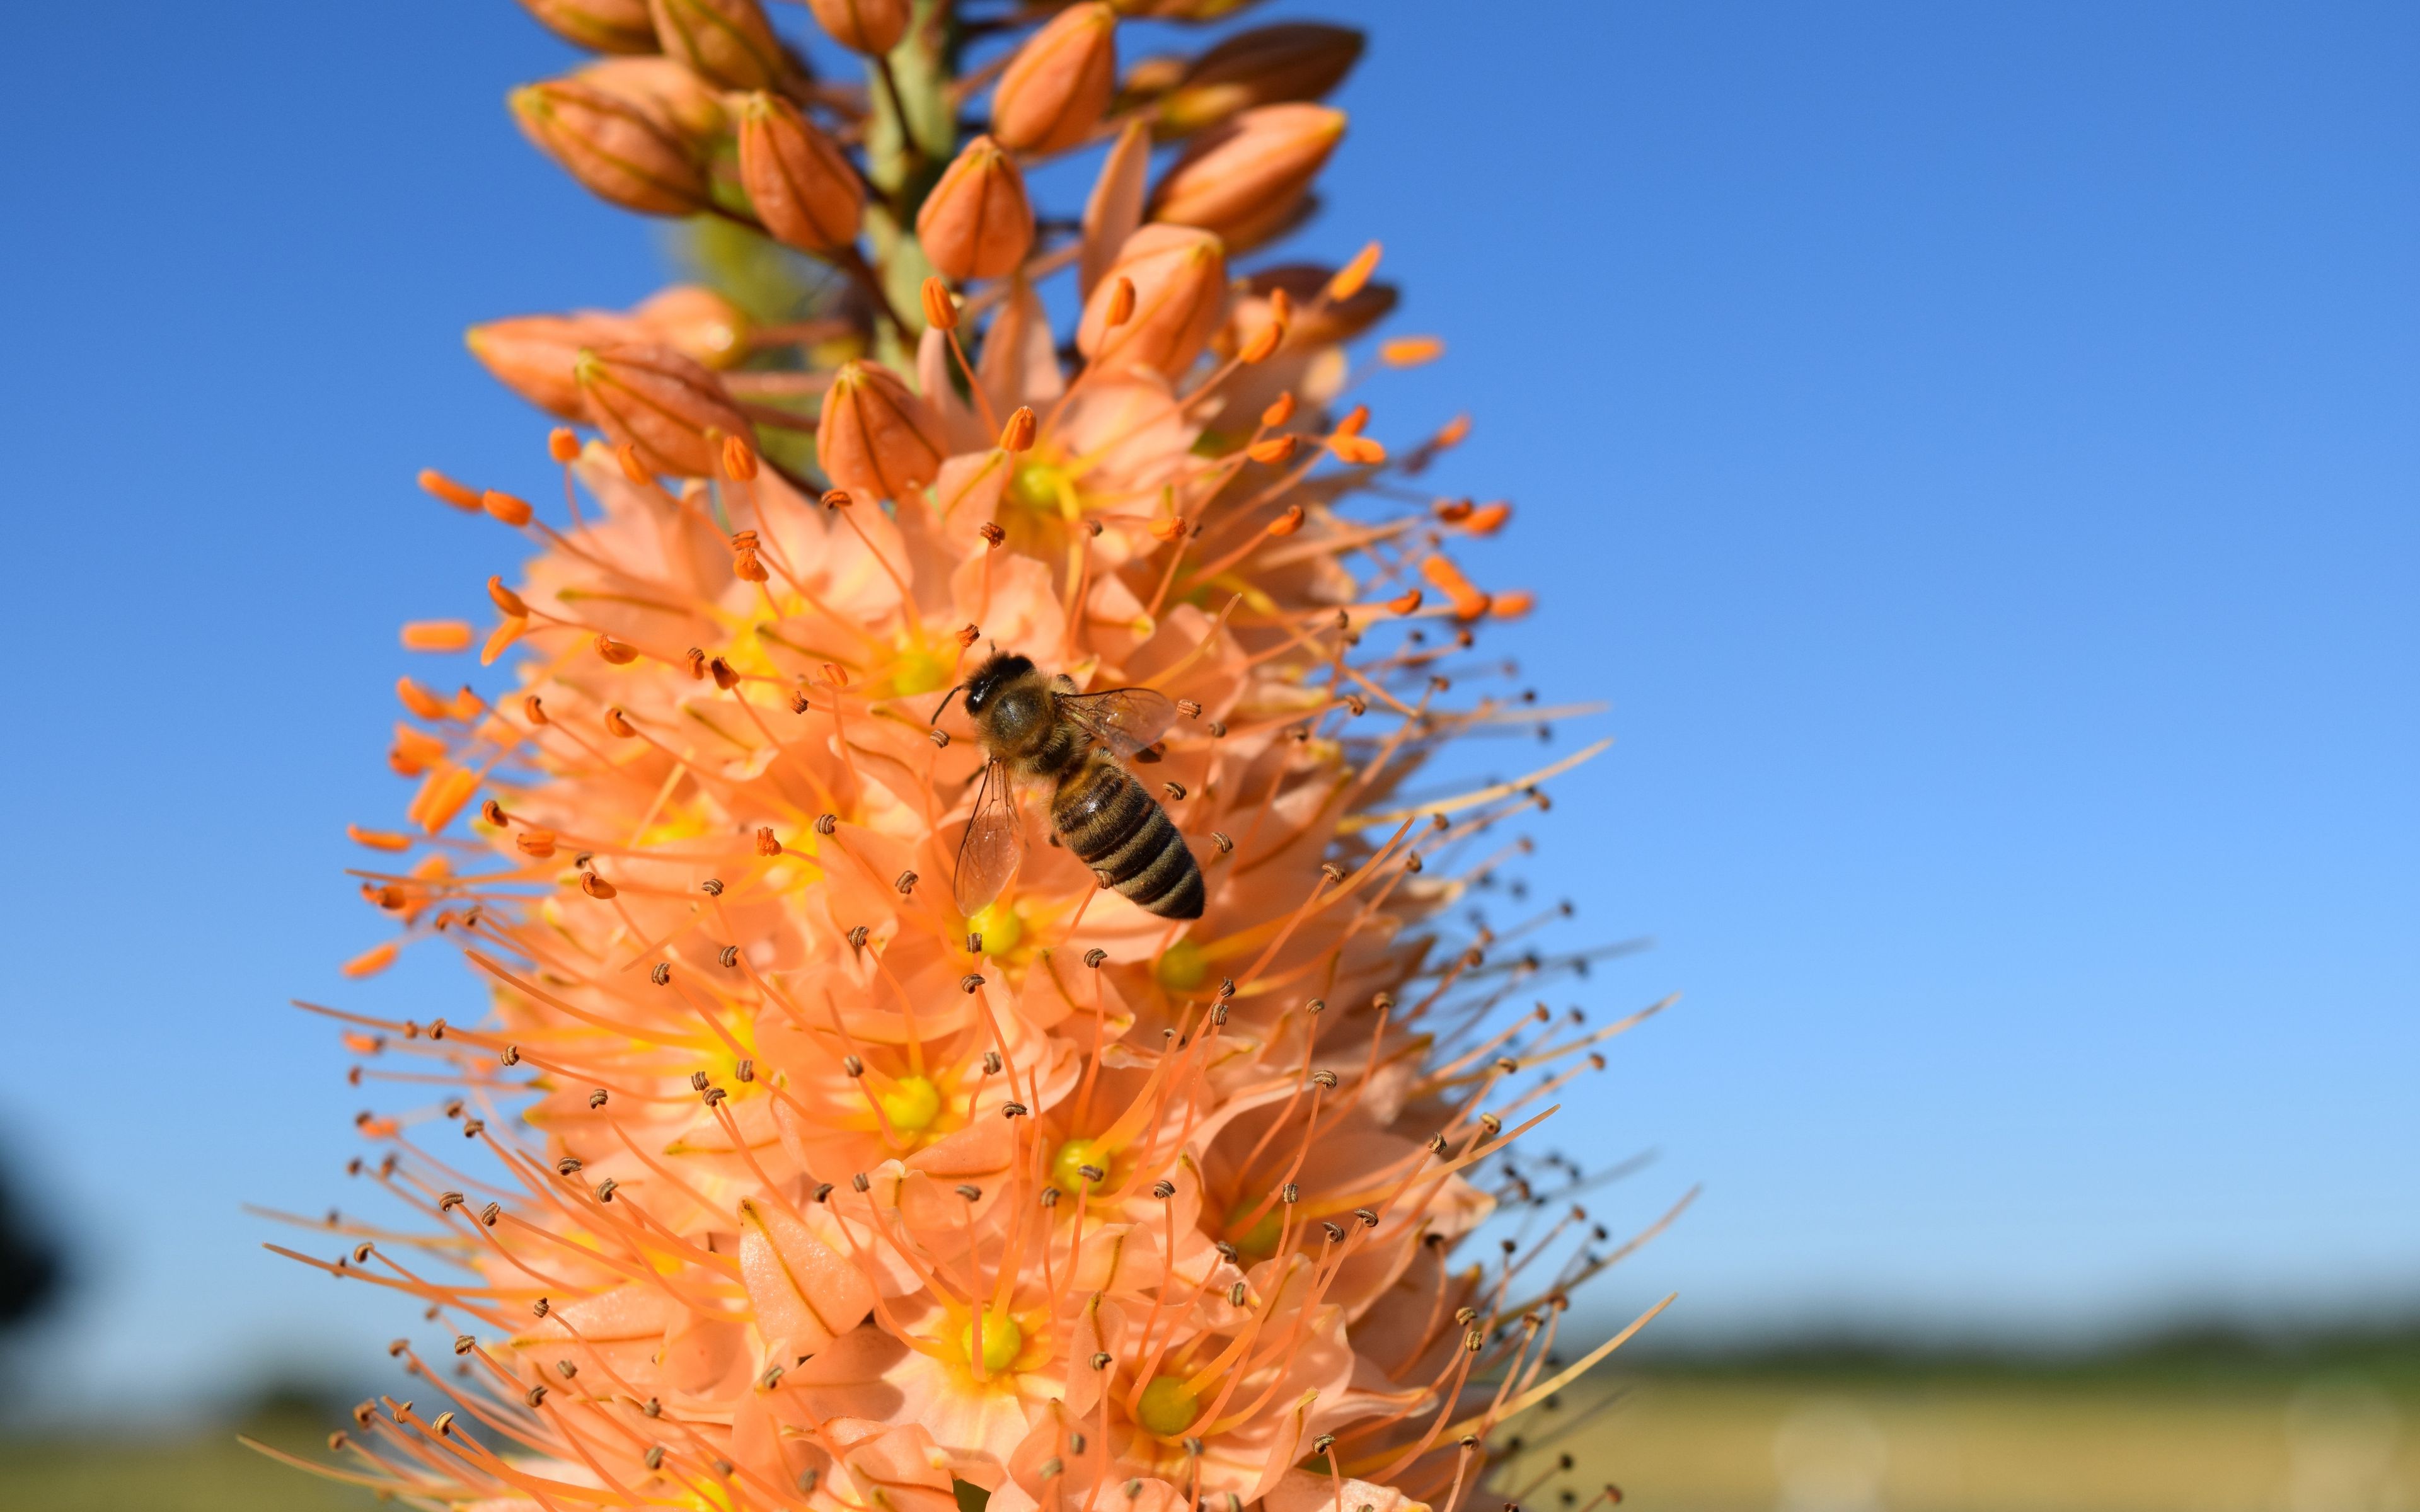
32	1269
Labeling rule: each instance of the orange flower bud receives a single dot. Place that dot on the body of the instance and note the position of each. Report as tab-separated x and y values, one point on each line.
1179	277
621	152
941	310
681	102
506	600
1269	66
804	190
600	25
695	321
533	355
1017	435
666	407
738	459
441	486
977	222
419	700
505	507
1246	180
563	443
872	27
1053	92
875	436
437	635
727	41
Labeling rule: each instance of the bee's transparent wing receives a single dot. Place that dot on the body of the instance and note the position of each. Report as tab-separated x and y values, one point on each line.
993	845
1125	720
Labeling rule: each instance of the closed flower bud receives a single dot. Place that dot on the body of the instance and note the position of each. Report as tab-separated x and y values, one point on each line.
668	408
1052	93
600	25
872	27
976	224
619	151
1179	279
876	437
1246	180
802	187
695	321
533	354
727	41
1269	66
681	101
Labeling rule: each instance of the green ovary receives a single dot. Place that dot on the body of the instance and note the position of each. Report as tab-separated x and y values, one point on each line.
1065	1171
1003	1340
911	1103
1167	1408
1181	967
1259	1242
918	671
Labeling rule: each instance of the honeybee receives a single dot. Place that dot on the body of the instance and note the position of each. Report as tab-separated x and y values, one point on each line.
1037	728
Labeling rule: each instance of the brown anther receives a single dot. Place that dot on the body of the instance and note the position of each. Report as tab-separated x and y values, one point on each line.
765	843
532	710
1017	434
489	1214
1452	510
857	936
1014	1110
1094	956
859	1183
605	1189
837	499
1369	1219
993	536
1323	1078
566	1369
1335	1232
653	1457
1436	1144
727	957
362	1251
619	652
1226	988
1237	1293
464	1344
967	634
1188	708
1217	729
972	981
534	1395
1093	1174
1175	791
1101	1360
1356	704
493	813
968	1190
568	1165
1219	838
711	886
905	883
940	738
826	823
1289	1193
1163	1189
714	1095
596	1098
696	660
510	1055
725	676
1492	1124
799	703
745	1070
852	1065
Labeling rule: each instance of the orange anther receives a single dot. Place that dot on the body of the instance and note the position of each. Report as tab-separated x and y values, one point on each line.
1168	529
1271	452
1280	409
620	653
1410	351
1452	511
619	723
696	659
1281	306
1350	278
493	813
419	700
836	676
437	635
467	706
1511	605
538	843
748	567
1451	433
1288	522
595	886
1264	342
1445	577
1488	518
941	310
563	444
627	455
726	676
371	961
738	459
378	839
837	499
507	601
1353	420
1405	603
504	635
1122	303
533	709
505	507
1358	450
446	488
1017	435
765	843
969	635
442	797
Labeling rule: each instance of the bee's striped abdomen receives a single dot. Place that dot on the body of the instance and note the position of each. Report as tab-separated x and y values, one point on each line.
1126	837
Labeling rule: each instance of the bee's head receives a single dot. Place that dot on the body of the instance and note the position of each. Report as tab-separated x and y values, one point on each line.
997	672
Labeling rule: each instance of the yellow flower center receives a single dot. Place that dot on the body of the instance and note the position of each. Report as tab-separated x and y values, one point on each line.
1040	487
912	1104
918	671
1003	1340
1000	928
1181	967
1259	1242
1066	1167
1167	1408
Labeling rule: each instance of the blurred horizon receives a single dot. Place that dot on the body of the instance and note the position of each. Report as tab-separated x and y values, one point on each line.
1974	452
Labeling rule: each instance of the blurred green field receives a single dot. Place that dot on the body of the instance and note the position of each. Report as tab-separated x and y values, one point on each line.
1832	1436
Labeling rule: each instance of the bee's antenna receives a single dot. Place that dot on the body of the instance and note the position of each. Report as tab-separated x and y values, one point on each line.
945	703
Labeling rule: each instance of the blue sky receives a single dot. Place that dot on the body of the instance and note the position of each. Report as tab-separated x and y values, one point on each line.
1972	449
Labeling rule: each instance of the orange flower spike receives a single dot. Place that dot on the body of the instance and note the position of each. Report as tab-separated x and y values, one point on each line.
1244	180
1054	91
801	185
872	27
668	408
439	485
977	222
601	25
